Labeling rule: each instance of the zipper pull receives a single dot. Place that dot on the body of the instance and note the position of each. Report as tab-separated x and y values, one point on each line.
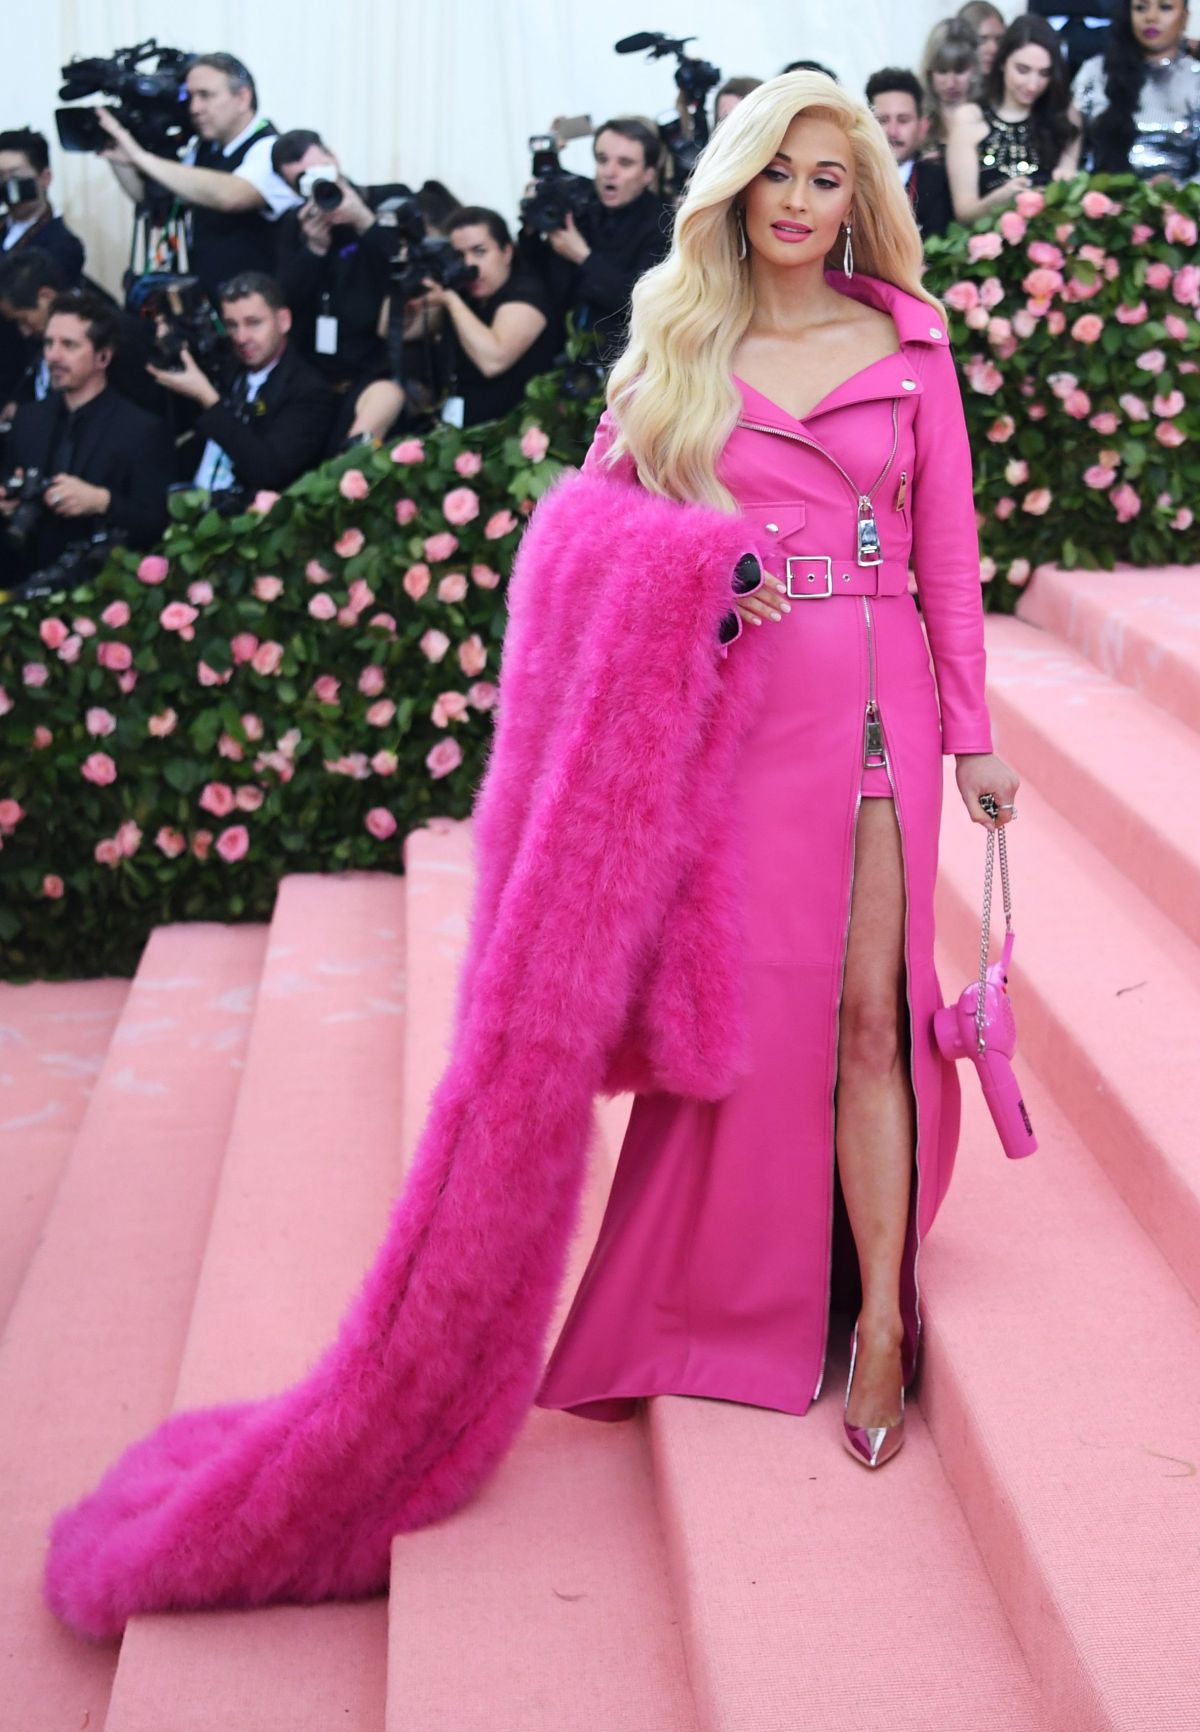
874	755
870	551
902	490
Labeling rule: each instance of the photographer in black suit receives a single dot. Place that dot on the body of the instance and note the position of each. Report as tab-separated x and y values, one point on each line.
84	460
896	99
273	421
28	222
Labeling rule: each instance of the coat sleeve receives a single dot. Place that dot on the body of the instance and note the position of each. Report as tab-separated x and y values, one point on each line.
624	469
946	557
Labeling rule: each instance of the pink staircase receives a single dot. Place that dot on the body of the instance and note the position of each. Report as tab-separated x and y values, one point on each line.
198	1165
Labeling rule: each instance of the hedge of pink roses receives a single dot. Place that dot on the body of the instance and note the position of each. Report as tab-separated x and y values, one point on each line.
1076	324
289	690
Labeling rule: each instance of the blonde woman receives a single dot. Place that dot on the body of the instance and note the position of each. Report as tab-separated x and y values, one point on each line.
784	362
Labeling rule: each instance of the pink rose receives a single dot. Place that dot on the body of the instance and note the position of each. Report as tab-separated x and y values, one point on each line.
354	485
1126	502
107	853
153	568
1133	406
991	293
1002	430
1158	275
1063	233
1078	405
381	713
1183	518
443	758
1094	256
176	615
114	655
233	843
500	524
1087	328
1016	470
11	813
99	768
243	646
1012	226
171	842
70	650
127	680
52	886
208	676
434	645
35	674
999	331
1024	323
116	614
468	463
461	505
353	764
1177	330
1037	503
482	695
217	798
315	572
1179	230
84	627
201	843
42	737
6	702
228	747
268	658
441	545
1170	435
987	570
249	799
385	621
962	296
1153	361
371	681
263	500
1186	287
360	595
99	722
534	444
385	763
1099	476
976	318
1042	284
347	617
380	823
1127	315
987	379
416	581
472	656
1105	423
408	451
1056	321
128	838
1018	572
1173	403
53	633
162	724
1096	205
252	727
406	510
1043	253
268	588
1030	203
323	606
453	587
448	707
326	689
986	246
350	542
1005	508
1140	234
200	593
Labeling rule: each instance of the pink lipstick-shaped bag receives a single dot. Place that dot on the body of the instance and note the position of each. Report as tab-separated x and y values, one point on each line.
981	1025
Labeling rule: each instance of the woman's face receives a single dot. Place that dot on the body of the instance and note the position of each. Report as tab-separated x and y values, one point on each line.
1158	25
989	33
951	88
1026	75
795	207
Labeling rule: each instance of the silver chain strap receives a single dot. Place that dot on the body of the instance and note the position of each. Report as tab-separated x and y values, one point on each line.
988	802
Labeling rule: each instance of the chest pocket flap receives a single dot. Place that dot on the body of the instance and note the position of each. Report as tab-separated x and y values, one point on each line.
779	524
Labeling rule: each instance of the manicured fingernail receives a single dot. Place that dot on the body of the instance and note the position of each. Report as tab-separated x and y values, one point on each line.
786	606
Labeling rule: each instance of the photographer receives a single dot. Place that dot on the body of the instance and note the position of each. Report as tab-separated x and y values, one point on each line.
29	222
502	330
622	230
83	459
226	177
273	421
335	259
30	283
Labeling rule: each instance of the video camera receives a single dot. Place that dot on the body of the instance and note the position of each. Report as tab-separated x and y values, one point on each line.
150	102
557	194
183	317
694	79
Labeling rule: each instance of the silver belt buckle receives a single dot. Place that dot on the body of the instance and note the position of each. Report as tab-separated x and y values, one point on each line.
806	592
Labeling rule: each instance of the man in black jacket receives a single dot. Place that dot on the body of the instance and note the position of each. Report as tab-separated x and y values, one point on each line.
896	99
28	222
100	462
273	421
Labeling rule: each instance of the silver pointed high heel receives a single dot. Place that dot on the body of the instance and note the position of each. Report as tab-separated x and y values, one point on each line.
870	1444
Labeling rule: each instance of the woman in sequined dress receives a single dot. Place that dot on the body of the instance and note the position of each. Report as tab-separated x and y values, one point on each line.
1140	99
1022	133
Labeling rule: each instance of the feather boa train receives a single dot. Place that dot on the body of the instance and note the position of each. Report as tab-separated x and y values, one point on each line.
604	953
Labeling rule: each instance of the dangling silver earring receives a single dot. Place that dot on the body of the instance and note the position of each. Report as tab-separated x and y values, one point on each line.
848	255
743	247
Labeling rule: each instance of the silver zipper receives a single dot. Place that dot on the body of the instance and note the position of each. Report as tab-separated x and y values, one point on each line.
874	751
868	535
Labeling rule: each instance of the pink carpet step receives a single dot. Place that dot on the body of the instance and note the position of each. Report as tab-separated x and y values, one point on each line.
92	1350
1139	627
545	1603
1122	771
1060	1389
1107	995
53	1038
313	1165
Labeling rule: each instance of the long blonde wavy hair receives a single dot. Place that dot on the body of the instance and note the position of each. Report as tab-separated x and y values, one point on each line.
671	393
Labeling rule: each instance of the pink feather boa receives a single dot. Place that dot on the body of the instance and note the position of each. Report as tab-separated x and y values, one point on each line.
605	951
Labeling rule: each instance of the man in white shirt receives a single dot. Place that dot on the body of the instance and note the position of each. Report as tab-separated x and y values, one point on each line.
226	177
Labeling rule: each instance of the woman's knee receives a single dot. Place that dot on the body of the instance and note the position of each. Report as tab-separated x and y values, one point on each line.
871	1033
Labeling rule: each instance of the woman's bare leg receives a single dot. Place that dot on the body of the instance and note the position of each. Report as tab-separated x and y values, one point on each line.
875	1119
377	407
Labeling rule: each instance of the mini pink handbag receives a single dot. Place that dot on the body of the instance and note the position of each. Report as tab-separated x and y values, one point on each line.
981	1025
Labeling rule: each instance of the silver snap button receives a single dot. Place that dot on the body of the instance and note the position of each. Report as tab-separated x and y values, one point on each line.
774	528
933	331
845	577
909	384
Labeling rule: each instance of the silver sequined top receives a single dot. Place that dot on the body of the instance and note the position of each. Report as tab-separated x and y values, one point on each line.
1167	136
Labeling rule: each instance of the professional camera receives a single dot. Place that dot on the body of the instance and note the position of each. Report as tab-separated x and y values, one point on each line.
685	151
73	567
29	490
693	79
419	257
557	193
322	186
18	190
183	317
150	102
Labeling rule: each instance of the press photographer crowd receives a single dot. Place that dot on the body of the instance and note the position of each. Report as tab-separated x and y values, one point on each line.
279	312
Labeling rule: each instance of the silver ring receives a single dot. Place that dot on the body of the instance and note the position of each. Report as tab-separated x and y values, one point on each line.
1005	808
